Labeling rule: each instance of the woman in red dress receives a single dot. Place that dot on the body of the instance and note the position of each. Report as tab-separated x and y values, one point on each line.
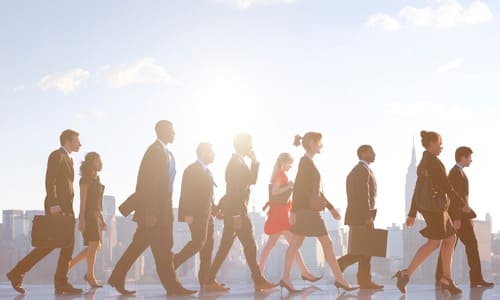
277	222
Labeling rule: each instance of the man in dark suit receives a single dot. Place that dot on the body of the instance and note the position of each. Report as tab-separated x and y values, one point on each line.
462	219
195	208
154	215
234	207
361	192
59	201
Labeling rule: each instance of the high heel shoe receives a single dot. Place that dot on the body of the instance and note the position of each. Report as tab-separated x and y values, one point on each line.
314	279
287	287
403	278
450	287
346	288
92	285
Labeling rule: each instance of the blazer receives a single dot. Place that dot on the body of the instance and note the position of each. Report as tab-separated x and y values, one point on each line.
361	190
239	178
440	182
59	182
197	192
153	196
460	184
307	185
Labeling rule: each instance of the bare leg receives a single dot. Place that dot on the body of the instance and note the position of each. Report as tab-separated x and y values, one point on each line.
289	258
93	247
298	257
326	244
422	253
78	258
447	249
271	242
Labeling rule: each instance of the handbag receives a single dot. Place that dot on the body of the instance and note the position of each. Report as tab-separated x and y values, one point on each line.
367	241
53	231
428	198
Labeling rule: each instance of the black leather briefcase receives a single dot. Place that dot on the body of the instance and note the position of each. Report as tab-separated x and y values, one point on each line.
364	240
53	231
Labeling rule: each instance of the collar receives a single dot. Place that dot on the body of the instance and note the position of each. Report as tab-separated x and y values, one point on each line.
239	156
66	150
364	162
162	143
459	166
203	165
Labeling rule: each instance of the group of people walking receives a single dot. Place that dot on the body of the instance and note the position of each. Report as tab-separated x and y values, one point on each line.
293	211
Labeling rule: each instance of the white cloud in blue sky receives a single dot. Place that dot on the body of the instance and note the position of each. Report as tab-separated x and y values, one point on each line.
66	82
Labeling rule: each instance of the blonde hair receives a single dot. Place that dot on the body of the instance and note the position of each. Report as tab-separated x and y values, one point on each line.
282	159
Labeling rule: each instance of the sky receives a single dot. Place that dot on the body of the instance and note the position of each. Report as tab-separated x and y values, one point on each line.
360	72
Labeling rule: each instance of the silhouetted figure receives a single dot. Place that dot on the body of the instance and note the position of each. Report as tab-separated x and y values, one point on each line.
305	218
361	189
439	224
59	201
277	221
90	221
154	215
463	221
234	206
196	208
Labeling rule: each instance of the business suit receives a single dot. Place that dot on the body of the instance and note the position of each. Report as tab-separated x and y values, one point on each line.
458	179
196	200
361	192
239	178
153	200
59	187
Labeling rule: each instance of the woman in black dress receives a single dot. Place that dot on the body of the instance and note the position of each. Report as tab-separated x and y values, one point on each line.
307	221
439	226
91	222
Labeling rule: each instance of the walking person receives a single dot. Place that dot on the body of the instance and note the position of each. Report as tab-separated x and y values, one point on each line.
90	221
305	218
439	229
59	201
277	221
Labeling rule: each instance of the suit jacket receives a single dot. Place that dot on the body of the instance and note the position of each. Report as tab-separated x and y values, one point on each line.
153	196
59	182
197	192
361	192
307	185
239	178
460	184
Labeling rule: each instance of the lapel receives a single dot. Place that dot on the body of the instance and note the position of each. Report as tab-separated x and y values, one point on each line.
68	162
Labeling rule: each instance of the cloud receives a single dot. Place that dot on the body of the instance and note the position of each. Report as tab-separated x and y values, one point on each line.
450	66
65	83
97	115
245	4
144	71
440	14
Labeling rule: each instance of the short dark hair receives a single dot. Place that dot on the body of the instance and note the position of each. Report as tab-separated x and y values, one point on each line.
202	148
363	148
461	152
428	137
162	125
307	139
67	135
241	140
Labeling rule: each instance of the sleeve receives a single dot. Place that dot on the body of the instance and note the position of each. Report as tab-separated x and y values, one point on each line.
455	181
187	194
361	192
440	180
236	187
148	183
413	208
53	165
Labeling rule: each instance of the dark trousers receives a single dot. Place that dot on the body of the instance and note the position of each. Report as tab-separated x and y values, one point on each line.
468	237
37	254
245	235
160	239
364	267
202	240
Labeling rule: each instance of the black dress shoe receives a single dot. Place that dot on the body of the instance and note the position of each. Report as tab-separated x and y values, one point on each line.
67	290
180	291
17	282
482	283
120	287
370	285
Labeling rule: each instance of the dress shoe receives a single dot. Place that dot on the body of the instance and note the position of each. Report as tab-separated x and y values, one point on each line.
450	286
180	291
67	289
120	287
290	289
17	282
402	280
264	285
93	285
370	285
215	287
482	283
313	279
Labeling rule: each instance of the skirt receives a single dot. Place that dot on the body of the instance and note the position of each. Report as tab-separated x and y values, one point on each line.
93	228
439	226
309	222
277	218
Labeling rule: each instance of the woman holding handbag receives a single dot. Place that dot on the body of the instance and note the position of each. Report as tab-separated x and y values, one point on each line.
306	220
430	199
277	221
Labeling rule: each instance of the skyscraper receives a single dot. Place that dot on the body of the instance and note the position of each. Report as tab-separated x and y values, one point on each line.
411	179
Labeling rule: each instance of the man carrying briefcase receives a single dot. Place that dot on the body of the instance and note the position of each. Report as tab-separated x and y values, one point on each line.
361	191
59	201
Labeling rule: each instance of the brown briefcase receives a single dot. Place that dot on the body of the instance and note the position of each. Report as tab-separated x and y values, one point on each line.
53	231
367	241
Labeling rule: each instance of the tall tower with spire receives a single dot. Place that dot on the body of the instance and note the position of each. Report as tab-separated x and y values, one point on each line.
411	179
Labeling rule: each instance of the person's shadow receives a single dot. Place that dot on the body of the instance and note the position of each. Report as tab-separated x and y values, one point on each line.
477	293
